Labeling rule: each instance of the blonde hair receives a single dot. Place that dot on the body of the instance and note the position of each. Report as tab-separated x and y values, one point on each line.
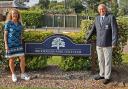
9	15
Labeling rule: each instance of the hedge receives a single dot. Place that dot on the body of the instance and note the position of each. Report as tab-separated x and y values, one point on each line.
73	62
67	62
36	62
32	18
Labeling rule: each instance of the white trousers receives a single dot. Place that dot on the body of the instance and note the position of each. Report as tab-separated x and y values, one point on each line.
105	61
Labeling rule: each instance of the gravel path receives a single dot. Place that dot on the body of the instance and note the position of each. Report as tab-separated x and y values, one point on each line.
53	77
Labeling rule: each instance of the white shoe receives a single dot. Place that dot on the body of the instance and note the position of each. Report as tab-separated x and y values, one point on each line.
14	78
25	76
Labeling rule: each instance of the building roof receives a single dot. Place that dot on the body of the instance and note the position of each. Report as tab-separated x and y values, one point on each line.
6	4
12	4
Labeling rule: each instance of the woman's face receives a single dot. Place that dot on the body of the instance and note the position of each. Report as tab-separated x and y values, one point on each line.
14	16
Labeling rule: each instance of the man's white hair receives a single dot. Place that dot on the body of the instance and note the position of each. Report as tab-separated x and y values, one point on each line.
102	5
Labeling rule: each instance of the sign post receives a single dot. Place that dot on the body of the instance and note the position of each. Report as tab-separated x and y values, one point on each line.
61	45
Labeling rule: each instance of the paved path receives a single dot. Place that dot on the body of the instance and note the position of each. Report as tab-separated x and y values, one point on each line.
126	48
57	29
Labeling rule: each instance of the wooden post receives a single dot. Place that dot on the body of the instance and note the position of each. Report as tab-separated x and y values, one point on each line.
64	20
93	57
53	21
76	20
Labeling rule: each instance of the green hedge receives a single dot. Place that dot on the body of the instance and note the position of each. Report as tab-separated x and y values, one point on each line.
36	35
36	62
32	62
77	37
123	36
32	18
67	62
75	62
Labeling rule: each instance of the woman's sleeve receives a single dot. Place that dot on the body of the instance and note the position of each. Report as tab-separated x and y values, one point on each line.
6	26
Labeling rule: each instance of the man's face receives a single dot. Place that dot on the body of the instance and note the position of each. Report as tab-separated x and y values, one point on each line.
102	10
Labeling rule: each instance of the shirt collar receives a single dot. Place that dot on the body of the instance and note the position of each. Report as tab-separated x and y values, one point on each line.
102	16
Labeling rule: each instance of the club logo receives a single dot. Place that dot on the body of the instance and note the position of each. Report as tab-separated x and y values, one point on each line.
58	42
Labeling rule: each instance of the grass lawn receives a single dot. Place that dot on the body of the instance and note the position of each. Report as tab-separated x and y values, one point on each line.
125	58
54	60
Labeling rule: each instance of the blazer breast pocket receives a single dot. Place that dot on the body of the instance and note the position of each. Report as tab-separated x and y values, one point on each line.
106	27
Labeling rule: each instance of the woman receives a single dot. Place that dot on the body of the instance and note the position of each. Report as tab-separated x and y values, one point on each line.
13	43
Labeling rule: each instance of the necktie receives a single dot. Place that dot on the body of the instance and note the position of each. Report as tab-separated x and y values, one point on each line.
101	20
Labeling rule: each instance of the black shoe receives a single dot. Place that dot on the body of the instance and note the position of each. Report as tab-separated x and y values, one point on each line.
106	81
98	77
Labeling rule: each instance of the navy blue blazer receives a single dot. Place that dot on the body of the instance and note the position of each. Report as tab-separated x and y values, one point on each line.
106	34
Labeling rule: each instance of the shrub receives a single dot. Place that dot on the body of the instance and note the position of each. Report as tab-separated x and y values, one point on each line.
32	18
75	63
67	62
36	62
77	37
85	25
37	36
3	60
57	7
1	41
122	39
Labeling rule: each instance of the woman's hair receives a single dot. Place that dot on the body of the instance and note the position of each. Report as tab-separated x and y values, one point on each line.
9	15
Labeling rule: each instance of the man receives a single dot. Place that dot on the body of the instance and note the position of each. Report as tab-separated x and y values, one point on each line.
105	27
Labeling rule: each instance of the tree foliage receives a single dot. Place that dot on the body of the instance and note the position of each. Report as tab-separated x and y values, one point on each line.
123	7
74	4
114	7
6	0
43	3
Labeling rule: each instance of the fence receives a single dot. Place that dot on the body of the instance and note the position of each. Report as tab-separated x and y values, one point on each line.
63	20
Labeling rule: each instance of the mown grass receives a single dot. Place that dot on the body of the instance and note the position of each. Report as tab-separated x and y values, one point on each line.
125	58
54	60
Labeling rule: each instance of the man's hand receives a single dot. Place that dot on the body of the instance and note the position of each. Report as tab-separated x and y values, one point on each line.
85	41
113	47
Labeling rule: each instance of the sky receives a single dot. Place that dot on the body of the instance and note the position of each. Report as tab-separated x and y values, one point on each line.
32	2
57	0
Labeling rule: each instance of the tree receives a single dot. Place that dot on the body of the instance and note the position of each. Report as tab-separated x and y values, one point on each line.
114	7
43	3
123	4
6	0
74	4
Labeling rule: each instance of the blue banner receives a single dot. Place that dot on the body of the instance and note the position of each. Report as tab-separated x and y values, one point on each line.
57	44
